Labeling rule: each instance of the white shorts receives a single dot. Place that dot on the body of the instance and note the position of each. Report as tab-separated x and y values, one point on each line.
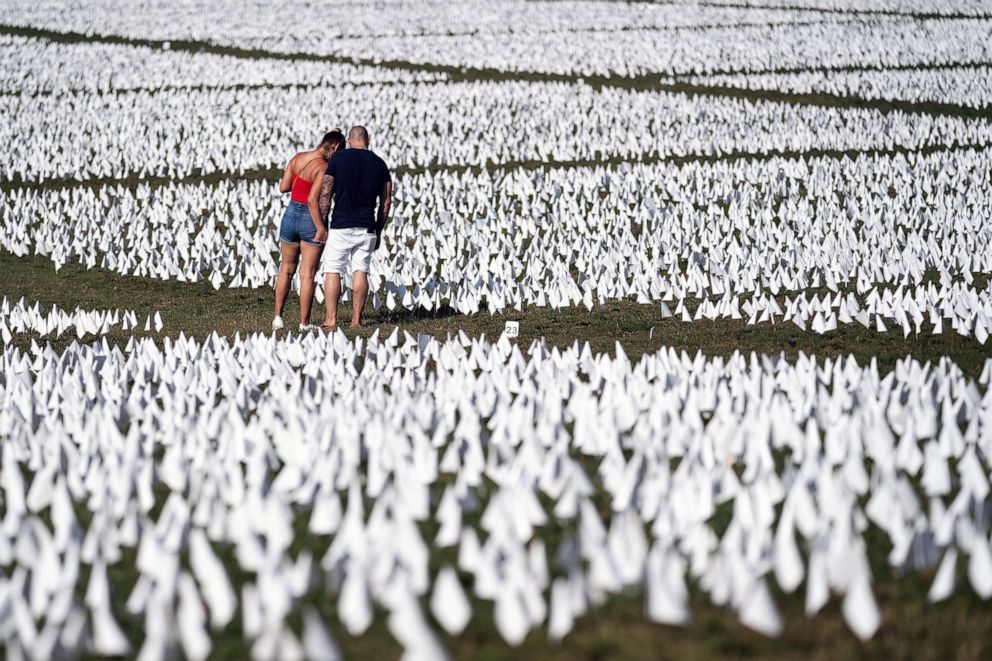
347	251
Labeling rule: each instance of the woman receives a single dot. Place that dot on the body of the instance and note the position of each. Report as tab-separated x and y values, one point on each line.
298	233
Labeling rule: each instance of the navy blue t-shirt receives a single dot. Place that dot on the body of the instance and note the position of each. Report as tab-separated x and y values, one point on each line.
359	176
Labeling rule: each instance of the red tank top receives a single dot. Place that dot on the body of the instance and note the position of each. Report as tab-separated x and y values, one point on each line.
301	187
301	190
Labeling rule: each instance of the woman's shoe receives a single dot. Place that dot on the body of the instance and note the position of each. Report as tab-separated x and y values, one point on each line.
277	324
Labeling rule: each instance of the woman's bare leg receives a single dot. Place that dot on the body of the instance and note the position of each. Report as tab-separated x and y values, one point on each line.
290	256
310	258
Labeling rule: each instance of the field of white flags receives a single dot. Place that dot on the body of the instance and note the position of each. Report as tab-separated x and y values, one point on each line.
825	166
493	447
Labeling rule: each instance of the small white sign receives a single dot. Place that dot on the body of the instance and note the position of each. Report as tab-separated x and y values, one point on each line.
512	329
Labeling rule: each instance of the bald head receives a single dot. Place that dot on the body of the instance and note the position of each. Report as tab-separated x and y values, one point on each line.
358	137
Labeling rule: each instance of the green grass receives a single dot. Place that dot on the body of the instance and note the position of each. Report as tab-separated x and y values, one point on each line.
960	628
848	11
198	310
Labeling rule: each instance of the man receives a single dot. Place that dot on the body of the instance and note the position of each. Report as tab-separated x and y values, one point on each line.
362	188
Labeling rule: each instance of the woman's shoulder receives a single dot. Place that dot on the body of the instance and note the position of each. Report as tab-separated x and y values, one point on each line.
317	160
302	161
312	168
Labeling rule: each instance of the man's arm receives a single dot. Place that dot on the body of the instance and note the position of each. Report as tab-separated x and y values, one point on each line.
382	215
326	190
385	202
319	202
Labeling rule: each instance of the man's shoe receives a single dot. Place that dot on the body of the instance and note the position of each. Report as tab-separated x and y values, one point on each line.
306	328
277	324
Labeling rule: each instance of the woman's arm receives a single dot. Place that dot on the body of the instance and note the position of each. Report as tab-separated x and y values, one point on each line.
286	181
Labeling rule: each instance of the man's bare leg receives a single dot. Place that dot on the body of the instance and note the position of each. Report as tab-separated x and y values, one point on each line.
308	269
332	292
361	292
290	256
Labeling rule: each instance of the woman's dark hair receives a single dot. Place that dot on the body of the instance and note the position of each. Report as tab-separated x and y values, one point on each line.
334	138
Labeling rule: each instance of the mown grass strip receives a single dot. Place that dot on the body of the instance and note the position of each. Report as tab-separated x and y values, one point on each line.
840	68
848	11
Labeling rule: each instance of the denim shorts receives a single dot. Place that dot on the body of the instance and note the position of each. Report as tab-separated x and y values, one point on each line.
297	225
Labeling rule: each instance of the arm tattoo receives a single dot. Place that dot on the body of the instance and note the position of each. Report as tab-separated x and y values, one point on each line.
324	202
